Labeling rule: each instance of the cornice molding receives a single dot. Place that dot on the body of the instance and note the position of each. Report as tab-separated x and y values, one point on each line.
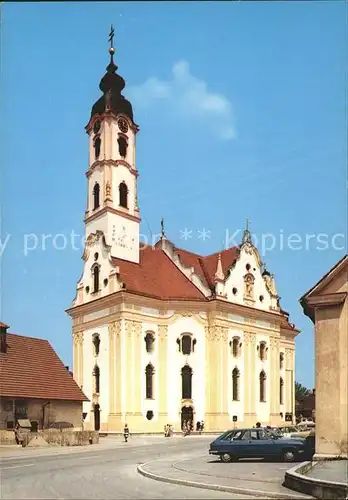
112	210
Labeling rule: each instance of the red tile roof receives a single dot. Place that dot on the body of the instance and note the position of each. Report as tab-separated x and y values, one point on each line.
156	276
31	369
206	267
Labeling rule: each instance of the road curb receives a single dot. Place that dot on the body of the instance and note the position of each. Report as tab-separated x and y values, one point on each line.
217	487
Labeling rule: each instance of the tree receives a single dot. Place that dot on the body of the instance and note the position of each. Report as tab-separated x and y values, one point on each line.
301	392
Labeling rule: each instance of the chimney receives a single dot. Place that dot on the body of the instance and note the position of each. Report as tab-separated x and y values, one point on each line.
3	332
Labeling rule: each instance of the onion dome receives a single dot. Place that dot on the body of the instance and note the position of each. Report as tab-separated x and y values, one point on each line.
112	85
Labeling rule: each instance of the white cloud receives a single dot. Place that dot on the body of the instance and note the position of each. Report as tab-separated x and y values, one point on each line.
186	96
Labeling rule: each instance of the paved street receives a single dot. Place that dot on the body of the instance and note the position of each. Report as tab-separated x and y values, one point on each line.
108	470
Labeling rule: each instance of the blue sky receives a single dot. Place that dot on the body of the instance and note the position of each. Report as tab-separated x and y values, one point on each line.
241	108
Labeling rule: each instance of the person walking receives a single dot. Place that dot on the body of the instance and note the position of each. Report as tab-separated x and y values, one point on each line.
126	433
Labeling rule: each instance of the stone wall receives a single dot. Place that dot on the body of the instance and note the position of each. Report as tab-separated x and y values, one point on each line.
69	438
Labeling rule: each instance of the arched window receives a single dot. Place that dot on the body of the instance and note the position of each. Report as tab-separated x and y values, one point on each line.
96	273
235	347
263	351
281	360
96	375
186	379
123	191
235	384
149	341
281	391
262	387
97	144
96	196
96	343
122	146
149	371
186	344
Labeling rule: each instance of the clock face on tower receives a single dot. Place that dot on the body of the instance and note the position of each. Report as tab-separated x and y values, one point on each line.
123	125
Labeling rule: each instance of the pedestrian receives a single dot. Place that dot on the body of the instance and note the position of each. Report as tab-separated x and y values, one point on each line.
198	426
126	433
202	426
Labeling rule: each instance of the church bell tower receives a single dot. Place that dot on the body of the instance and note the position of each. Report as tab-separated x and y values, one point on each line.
112	204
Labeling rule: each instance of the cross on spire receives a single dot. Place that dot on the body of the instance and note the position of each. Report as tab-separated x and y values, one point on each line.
247	234
111	37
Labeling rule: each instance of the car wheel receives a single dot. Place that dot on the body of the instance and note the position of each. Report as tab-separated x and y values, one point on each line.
288	456
226	457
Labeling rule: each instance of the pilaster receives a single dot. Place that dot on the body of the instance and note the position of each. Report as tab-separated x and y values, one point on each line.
128	381
137	341
249	378
163	371
115	377
274	382
78	357
112	381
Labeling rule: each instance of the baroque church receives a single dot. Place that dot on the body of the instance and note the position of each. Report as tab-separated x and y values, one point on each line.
160	334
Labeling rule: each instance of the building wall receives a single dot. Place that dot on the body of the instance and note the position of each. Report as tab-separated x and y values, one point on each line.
123	359
34	410
331	380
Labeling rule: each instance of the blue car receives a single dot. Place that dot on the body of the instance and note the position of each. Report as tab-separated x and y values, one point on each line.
257	443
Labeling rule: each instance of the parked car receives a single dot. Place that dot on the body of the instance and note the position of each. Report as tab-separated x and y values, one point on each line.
256	443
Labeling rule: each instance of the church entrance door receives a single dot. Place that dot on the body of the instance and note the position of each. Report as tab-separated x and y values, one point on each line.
186	415
96	411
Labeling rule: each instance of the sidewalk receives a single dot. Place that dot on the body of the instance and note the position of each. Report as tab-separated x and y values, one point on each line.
105	443
201	472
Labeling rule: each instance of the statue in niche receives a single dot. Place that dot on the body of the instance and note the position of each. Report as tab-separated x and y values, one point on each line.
249	285
108	189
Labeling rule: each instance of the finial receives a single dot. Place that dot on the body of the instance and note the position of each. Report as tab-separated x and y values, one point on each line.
247	234
219	274
163	234
111	68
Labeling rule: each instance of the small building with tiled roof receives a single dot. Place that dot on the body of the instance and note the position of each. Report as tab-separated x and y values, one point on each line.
162	335
35	384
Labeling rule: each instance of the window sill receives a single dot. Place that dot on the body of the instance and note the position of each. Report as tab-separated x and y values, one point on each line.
149	399
235	400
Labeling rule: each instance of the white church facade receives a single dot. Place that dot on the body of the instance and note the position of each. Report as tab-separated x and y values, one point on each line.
160	334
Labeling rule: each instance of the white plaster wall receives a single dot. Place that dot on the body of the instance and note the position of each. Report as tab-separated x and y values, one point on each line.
120	233
105	268
89	361
176	360
236	407
262	409
236	280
